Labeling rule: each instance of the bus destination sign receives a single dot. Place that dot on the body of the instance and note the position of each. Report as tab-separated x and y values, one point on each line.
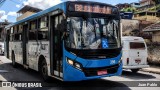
91	8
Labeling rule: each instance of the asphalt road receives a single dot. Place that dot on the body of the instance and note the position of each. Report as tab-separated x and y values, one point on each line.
127	81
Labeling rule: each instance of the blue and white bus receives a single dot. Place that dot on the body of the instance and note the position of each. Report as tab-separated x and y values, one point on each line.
72	41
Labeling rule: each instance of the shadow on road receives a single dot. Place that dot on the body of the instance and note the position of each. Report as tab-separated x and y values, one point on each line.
21	74
136	76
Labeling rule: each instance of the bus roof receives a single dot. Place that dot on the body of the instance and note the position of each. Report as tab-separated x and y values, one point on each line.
132	38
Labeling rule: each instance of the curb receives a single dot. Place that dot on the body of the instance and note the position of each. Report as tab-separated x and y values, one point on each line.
150	71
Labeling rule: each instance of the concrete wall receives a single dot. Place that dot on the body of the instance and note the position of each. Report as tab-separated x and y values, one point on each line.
129	25
147	18
154	54
25	15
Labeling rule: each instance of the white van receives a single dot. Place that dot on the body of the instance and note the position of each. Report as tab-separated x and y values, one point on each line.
134	55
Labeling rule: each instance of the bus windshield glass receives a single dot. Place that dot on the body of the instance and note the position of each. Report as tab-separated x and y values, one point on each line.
92	33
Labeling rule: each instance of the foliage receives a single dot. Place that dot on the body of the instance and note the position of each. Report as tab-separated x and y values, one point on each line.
134	10
129	9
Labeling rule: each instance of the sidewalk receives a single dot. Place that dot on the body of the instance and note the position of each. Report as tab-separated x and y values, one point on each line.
152	69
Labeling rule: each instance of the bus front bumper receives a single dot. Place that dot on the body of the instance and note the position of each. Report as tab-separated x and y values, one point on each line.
73	74
136	67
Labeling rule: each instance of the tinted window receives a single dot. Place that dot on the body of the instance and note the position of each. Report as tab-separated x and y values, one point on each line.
137	45
42	35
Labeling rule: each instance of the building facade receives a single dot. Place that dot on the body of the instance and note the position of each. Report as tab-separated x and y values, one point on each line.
155	30
2	26
27	11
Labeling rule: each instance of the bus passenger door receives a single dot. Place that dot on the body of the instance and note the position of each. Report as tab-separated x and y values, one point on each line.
7	44
24	44
56	46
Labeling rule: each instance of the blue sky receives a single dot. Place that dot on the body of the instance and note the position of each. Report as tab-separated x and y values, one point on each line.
10	7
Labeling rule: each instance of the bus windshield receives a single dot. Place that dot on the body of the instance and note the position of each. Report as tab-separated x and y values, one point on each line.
92	33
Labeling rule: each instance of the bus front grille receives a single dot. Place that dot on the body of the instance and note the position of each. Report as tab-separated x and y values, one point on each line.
93	71
94	54
99	56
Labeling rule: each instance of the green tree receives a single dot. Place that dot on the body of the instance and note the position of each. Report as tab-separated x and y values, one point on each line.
129	9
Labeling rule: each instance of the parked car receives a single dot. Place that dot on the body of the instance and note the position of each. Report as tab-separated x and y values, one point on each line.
134	54
2	48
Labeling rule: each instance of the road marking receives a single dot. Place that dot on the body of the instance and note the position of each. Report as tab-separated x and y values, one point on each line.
3	71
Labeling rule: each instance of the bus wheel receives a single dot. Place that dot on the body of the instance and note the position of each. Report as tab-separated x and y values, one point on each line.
44	71
13	61
134	70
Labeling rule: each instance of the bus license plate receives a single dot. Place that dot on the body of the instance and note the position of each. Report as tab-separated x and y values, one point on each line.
102	72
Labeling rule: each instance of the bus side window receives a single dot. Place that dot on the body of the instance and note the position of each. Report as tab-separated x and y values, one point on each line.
12	34
17	33
20	32
43	31
33	30
39	36
32	36
7	35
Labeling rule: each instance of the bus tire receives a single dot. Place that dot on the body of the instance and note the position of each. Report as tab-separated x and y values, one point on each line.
14	64
134	70
44	71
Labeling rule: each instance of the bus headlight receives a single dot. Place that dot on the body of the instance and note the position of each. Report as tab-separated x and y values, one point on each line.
74	64
70	62
77	65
